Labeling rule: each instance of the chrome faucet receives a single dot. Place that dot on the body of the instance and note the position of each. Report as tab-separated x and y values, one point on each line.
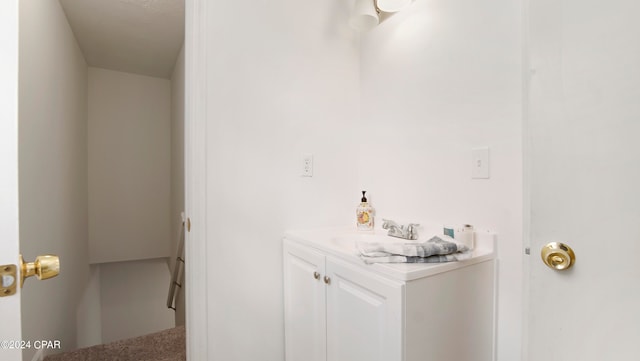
409	231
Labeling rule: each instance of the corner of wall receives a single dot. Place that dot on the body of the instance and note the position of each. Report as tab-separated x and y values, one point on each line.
89	319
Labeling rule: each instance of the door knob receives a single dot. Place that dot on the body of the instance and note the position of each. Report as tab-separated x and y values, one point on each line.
558	256
44	267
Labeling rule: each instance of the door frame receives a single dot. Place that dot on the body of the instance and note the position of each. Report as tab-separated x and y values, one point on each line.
196	292
527	72
9	226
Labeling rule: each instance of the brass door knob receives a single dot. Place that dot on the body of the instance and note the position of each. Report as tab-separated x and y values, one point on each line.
44	267
558	256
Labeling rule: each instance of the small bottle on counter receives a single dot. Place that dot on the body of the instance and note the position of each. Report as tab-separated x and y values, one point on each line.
466	235
463	233
364	215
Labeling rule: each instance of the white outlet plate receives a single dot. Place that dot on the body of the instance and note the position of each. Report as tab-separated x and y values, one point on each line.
307	165
480	163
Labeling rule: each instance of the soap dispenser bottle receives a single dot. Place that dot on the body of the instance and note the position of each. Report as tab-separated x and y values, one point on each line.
364	215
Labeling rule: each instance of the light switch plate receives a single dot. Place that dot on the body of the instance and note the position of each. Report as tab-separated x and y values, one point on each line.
480	163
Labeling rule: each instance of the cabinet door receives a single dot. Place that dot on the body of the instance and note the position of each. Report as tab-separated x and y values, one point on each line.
364	315
304	304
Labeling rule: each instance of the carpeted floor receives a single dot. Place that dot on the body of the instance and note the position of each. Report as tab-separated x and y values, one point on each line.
167	345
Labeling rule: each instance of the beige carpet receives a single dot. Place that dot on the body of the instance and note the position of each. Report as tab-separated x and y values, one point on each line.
167	345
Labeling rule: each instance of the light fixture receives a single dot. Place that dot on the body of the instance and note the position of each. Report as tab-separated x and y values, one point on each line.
392	6
368	13
365	15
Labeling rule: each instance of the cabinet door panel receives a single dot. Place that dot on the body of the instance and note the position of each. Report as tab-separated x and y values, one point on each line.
364	315
304	304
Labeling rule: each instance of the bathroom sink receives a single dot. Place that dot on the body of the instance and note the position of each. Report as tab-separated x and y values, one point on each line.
341	243
348	242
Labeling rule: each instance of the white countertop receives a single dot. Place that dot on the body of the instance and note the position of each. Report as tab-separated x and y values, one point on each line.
340	243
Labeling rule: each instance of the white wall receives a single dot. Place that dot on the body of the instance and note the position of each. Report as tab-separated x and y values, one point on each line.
89	316
52	169
133	299
122	300
129	166
438	79
285	85
177	169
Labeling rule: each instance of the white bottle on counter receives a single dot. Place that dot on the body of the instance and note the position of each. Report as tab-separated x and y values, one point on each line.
464	234
364	215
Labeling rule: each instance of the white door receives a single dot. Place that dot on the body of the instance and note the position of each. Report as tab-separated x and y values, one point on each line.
10	332
583	131
304	304
364	315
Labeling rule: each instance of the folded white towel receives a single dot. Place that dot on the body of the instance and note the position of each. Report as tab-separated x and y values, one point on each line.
431	259
436	250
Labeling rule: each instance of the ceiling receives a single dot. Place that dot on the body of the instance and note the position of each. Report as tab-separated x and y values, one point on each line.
134	36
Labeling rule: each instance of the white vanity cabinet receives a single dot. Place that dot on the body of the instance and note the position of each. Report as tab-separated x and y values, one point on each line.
335	311
339	309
